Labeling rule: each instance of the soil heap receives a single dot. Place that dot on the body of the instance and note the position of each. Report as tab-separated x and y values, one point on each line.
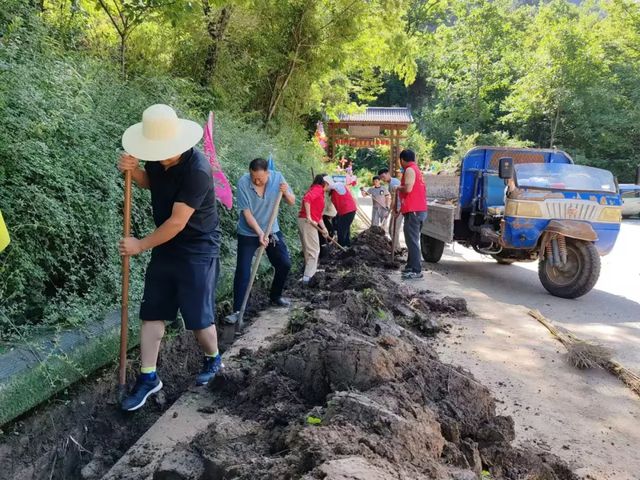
354	390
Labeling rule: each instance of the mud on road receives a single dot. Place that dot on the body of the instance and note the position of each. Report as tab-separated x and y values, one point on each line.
353	389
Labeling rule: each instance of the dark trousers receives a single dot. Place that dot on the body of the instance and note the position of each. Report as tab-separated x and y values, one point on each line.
278	255
343	226
328	222
412	228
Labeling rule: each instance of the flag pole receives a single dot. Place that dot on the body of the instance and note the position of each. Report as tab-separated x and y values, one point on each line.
124	311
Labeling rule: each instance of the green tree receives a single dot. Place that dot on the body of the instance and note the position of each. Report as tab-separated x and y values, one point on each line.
126	16
468	70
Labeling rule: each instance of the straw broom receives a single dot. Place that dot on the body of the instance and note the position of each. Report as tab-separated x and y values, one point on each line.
629	378
583	355
580	354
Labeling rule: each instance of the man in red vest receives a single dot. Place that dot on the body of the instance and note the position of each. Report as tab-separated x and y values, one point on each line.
413	194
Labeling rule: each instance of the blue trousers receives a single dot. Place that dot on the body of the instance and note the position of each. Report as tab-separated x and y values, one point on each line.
185	284
278	255
412	229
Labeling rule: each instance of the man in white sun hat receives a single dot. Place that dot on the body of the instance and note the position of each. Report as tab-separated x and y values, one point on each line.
184	246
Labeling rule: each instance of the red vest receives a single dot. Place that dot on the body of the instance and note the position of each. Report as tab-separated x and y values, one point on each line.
344	203
315	198
416	200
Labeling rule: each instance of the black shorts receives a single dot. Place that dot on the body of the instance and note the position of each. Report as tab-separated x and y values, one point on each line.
185	284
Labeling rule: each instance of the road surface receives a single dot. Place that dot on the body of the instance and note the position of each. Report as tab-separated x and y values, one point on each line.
609	314
588	418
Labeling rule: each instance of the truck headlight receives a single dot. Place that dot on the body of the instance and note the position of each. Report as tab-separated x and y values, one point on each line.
515	208
611	214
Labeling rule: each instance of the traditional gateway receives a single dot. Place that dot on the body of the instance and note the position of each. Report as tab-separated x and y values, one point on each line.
520	204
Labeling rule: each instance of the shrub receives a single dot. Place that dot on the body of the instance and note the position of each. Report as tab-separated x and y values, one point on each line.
62	116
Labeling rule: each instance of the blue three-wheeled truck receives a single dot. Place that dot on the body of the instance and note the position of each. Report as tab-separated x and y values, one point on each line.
519	204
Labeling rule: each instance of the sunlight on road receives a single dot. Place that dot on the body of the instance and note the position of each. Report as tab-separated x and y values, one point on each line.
610	313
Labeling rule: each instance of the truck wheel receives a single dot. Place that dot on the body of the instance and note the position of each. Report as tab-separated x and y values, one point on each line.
503	261
432	248
577	276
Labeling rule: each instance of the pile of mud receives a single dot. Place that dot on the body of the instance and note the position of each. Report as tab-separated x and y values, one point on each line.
81	433
349	392
371	247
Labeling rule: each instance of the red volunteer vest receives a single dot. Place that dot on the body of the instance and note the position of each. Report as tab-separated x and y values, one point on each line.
344	203
416	200
315	198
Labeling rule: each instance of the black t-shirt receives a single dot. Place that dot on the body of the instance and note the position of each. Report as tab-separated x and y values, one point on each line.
190	182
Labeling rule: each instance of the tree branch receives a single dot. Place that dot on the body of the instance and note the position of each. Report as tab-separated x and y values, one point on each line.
113	20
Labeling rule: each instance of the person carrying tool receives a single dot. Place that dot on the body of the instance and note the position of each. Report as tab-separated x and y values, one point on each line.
310	222
185	245
381	200
328	217
413	194
257	196
393	184
346	210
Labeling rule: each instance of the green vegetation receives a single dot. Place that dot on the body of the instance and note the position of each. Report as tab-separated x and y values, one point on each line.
63	113
75	73
546	73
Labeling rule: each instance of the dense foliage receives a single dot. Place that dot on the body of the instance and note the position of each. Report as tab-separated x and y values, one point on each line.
62	118
553	74
75	73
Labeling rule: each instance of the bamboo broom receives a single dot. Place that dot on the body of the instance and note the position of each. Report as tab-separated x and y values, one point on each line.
584	354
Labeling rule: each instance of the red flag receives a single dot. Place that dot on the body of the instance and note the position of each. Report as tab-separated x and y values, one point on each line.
223	188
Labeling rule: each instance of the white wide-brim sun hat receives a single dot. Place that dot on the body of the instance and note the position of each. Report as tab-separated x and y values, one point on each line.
161	135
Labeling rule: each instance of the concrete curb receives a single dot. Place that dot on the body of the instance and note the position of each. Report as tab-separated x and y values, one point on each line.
31	374
186	418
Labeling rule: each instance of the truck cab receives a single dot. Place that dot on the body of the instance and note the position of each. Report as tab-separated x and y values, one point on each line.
518	204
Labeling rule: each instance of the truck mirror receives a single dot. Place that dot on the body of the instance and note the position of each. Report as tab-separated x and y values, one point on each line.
505	168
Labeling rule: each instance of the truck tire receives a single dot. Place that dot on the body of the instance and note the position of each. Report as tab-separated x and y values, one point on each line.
503	261
578	276
432	248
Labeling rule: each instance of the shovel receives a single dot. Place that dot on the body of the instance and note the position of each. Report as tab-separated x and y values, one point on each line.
124	311
394	226
256	262
331	239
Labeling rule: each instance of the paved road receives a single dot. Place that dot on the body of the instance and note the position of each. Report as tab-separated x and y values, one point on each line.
610	313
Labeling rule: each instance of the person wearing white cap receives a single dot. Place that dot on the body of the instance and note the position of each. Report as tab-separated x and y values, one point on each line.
185	245
346	211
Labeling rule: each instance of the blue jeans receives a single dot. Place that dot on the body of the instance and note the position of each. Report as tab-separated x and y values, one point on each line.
412	229
278	255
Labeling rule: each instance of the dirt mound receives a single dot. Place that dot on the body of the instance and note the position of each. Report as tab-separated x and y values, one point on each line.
371	247
353	391
82	432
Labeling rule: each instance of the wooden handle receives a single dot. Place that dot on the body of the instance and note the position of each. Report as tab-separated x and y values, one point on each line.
394	225
331	239
124	311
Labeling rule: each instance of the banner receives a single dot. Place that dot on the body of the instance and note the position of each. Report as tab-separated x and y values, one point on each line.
222	186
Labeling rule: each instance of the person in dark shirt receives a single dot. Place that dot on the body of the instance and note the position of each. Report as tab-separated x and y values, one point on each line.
185	245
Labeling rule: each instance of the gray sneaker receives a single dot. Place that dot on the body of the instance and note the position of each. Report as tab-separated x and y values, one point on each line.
232	319
412	275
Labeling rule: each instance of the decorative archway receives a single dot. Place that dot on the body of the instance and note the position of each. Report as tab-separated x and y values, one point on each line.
375	127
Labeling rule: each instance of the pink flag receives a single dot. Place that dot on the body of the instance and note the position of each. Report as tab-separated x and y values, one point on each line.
320	136
223	189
